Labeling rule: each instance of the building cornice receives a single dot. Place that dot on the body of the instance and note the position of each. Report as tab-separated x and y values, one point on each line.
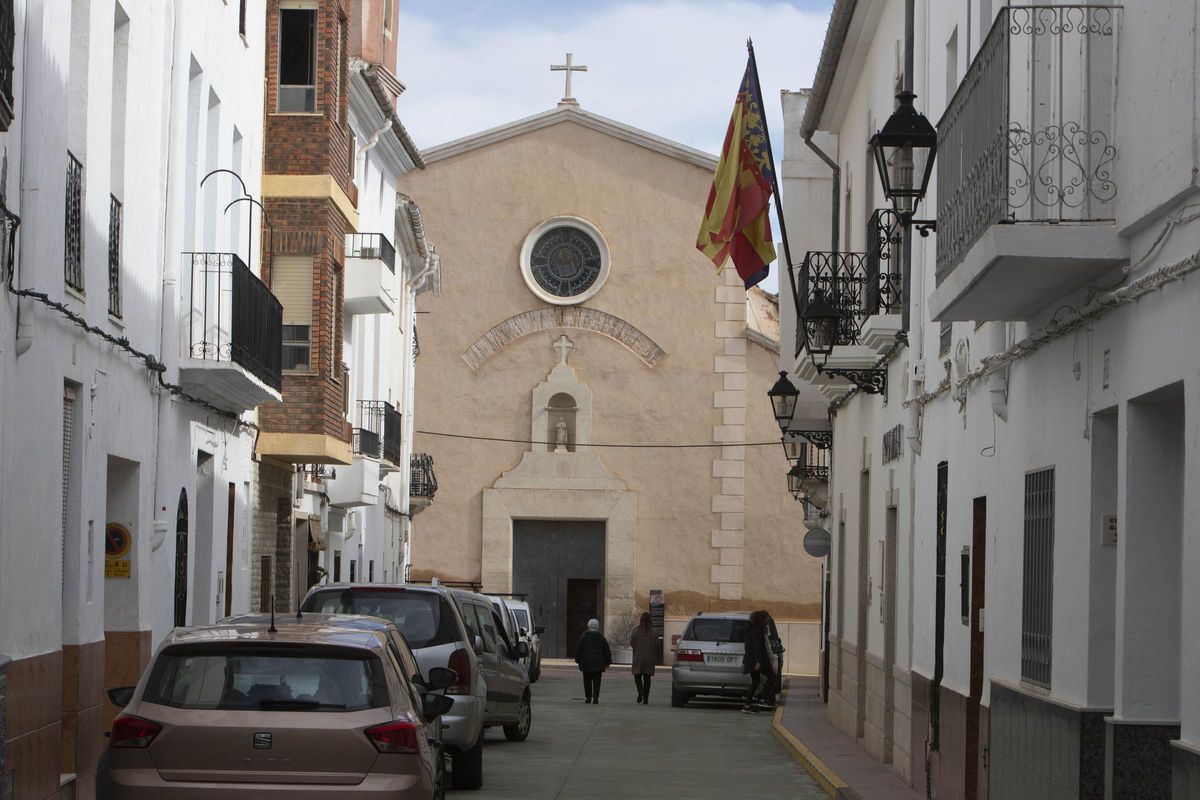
571	113
852	26
381	84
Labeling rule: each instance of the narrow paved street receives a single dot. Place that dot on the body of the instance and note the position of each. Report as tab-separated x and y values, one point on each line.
620	749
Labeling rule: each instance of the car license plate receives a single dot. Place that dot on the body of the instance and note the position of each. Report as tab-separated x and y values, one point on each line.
723	660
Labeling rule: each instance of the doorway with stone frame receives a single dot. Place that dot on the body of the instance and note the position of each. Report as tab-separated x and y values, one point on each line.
558	566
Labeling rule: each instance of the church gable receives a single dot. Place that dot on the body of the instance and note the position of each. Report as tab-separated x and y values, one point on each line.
566	113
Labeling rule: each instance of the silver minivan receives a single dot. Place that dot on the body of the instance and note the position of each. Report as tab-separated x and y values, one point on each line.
708	657
501	661
429	619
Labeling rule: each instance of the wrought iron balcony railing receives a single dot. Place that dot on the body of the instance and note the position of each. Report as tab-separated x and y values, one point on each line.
858	285
8	37
379	432
73	257
233	316
371	245
813	463
422	480
1029	134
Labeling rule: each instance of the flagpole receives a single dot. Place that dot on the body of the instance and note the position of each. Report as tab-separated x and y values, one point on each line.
787	256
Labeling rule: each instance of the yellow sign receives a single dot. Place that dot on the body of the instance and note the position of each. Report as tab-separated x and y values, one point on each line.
118	541
116	568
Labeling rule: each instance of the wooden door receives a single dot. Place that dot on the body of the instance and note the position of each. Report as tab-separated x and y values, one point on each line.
977	621
583	604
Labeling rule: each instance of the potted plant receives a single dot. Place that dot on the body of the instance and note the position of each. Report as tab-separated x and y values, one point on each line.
618	638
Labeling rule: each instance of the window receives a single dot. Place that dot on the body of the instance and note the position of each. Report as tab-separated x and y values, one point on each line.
1038	581
964	585
114	256
297	59
488	626
291	282
371	571
423	617
214	678
564	260
74	223
951	64
242	17
353	563
337	566
717	629
945	335
351	166
388	7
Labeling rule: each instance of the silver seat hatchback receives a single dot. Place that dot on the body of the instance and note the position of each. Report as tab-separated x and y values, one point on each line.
708	658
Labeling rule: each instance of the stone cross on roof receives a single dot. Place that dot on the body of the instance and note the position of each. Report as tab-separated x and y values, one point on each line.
564	347
568	67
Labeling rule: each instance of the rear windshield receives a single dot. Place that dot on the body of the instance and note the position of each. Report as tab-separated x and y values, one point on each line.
423	617
522	618
717	629
300	680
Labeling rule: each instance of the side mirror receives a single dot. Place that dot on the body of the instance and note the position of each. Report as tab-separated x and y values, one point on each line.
522	632
478	643
522	649
539	630
121	696
435	705
441	678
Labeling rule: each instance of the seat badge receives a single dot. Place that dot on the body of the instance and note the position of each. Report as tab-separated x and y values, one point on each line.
262	741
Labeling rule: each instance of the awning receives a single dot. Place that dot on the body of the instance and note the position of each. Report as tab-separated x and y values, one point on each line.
316	536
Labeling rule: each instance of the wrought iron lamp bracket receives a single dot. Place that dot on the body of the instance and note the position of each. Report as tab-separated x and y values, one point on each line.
821	439
871	381
923	226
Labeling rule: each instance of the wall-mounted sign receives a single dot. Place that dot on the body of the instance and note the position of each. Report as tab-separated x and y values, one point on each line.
1109	529
817	542
118	542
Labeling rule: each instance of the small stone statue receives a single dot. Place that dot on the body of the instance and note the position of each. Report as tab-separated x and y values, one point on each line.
560	437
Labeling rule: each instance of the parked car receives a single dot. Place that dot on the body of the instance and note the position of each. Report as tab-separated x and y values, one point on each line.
512	630
257	707
532	635
429	619
509	702
708	658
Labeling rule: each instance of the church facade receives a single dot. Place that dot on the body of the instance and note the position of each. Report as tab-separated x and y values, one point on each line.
594	394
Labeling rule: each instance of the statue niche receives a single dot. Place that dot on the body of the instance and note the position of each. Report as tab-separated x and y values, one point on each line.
560	422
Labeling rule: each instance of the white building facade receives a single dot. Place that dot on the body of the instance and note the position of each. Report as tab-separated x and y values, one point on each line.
136	344
1015	451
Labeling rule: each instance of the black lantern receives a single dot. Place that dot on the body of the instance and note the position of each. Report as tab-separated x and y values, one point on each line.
820	325
795	478
791	445
783	401
904	151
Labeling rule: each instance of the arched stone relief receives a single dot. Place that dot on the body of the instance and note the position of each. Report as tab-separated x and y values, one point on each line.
544	319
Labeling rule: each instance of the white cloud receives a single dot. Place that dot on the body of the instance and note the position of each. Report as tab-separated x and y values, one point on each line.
671	67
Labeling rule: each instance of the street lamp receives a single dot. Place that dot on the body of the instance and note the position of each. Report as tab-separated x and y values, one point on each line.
904	151
795	479
783	401
820	322
792	444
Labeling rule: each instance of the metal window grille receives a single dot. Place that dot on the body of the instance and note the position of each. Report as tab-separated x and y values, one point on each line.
8	34
1038	581
422	479
114	256
74	223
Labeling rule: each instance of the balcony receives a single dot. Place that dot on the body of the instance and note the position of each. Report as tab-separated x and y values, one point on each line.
378	433
1026	166
356	484
422	484
232	335
371	285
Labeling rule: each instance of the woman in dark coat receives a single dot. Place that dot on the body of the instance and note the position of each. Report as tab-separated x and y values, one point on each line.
643	642
593	656
757	661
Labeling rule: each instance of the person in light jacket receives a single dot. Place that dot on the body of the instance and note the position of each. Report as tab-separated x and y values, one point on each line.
593	656
643	642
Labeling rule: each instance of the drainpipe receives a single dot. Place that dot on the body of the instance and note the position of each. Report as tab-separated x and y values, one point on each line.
374	138
836	225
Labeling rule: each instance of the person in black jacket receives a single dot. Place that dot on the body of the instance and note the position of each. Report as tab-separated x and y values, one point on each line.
593	656
757	661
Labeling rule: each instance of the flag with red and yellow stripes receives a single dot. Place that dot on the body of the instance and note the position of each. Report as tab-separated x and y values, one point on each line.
736	221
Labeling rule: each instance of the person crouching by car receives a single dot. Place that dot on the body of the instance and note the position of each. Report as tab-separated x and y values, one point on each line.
593	656
757	661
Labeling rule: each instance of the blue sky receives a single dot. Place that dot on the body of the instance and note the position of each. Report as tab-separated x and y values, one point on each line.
671	67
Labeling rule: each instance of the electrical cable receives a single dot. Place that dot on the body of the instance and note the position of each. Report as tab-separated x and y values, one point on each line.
597	444
151	363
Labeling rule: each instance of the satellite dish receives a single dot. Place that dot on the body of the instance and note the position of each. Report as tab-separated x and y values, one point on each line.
816	542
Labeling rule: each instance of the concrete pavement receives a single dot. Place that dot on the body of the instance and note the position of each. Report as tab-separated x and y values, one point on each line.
619	749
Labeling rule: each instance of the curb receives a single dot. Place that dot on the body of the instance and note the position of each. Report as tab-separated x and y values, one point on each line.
829	781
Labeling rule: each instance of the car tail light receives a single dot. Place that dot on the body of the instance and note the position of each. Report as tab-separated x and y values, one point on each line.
131	731
689	655
394	737
460	662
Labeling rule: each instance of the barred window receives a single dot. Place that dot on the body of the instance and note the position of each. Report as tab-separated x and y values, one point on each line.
1038	581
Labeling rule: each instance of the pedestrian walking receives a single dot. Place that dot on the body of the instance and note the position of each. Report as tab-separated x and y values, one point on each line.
643	642
757	661
772	687
593	656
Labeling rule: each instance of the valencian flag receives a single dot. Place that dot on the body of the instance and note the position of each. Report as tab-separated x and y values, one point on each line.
735	221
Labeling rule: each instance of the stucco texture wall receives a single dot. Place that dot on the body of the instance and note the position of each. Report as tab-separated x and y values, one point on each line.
479	206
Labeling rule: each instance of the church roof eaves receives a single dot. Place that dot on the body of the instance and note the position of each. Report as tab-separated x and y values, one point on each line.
570	113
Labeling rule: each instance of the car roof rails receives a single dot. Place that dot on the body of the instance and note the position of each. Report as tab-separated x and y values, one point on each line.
513	595
437	582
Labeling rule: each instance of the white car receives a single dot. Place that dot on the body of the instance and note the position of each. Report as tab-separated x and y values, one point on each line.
531	633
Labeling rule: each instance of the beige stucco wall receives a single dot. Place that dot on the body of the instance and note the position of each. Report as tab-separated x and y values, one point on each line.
478	208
